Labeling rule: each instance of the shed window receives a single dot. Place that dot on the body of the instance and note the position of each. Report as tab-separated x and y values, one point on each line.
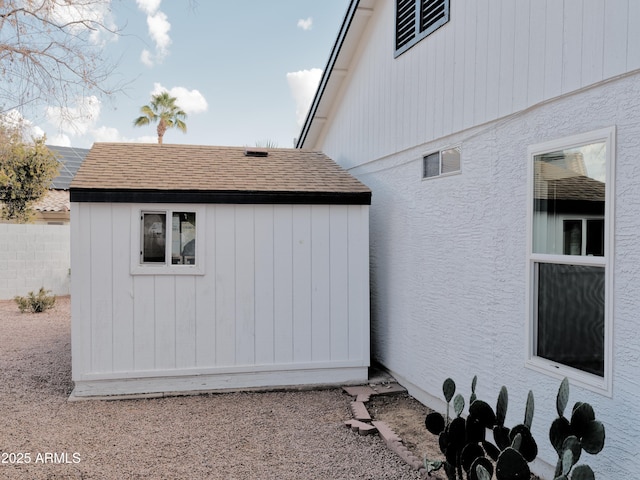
181	237
168	242
570	258
416	19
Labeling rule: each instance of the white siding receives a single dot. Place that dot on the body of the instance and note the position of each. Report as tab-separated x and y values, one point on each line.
285	289
493	58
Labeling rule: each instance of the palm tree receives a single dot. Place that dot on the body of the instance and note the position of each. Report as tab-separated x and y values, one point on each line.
162	109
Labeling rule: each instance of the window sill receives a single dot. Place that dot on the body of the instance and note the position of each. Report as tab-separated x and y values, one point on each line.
578	378
167	270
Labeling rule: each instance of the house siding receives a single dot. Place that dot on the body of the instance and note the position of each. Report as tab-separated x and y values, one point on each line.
449	255
493	58
284	289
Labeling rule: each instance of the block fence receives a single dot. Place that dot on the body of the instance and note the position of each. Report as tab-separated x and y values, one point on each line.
34	256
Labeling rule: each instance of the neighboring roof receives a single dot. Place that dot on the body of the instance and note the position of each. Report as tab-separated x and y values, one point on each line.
557	183
135	172
54	201
336	70
70	158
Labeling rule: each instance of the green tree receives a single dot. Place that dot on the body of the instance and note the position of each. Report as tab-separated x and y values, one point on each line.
26	172
162	109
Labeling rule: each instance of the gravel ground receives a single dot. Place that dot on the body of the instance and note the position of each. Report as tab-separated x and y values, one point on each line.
266	435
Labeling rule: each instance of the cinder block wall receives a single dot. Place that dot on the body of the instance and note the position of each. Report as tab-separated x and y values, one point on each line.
34	256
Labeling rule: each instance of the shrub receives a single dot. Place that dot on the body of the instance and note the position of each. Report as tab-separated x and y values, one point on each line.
468	454
36	303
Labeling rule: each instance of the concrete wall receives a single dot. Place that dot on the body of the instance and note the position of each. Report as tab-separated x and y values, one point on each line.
34	256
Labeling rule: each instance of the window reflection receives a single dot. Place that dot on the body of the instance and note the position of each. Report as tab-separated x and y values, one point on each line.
569	201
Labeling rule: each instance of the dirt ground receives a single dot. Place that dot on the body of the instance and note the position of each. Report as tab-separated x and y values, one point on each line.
248	435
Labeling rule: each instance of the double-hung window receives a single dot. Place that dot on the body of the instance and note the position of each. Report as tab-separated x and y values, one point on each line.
167	241
415	19
570	258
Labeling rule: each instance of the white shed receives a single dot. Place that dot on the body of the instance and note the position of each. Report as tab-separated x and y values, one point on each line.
200	268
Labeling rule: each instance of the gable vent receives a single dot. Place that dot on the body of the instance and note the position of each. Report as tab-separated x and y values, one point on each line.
256	153
405	22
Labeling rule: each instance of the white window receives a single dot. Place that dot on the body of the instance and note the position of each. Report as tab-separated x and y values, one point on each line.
570	258
167	241
440	163
416	19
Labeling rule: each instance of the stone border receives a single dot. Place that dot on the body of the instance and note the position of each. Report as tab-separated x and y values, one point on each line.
364	425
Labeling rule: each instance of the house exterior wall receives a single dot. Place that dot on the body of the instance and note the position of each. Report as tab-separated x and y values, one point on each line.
493	58
33	256
449	254
283	300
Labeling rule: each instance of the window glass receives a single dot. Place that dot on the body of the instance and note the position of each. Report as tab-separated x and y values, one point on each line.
432	165
569	201
157	237
154	237
570	307
450	160
183	238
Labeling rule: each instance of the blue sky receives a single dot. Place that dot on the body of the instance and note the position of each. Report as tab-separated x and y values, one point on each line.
243	70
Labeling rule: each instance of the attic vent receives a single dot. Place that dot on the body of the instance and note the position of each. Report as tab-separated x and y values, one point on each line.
256	153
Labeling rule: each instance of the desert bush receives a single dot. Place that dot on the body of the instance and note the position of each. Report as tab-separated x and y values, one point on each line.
36	302
470	455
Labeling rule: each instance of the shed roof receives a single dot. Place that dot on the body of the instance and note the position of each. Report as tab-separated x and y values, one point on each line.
210	174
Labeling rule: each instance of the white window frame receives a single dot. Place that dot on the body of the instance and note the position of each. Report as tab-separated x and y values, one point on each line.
440	173
603	385
139	268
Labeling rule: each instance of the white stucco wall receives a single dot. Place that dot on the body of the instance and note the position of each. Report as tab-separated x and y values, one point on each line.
33	256
449	255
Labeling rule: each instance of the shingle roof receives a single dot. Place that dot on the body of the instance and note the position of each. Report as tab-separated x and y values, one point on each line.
208	168
70	158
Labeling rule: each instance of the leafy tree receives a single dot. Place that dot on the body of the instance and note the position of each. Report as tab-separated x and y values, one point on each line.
162	109
52	51
26	172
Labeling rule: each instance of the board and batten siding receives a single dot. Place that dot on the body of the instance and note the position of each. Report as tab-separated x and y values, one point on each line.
284	300
493	58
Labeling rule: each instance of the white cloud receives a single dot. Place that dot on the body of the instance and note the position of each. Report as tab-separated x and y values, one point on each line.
146	58
159	27
303	85
191	101
60	140
305	24
96	12
14	119
106	134
148	6
76	120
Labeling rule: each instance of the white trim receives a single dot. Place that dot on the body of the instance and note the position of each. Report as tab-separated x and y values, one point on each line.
602	385
138	268
324	374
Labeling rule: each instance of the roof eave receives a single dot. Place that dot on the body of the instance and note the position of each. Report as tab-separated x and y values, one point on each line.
305	139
